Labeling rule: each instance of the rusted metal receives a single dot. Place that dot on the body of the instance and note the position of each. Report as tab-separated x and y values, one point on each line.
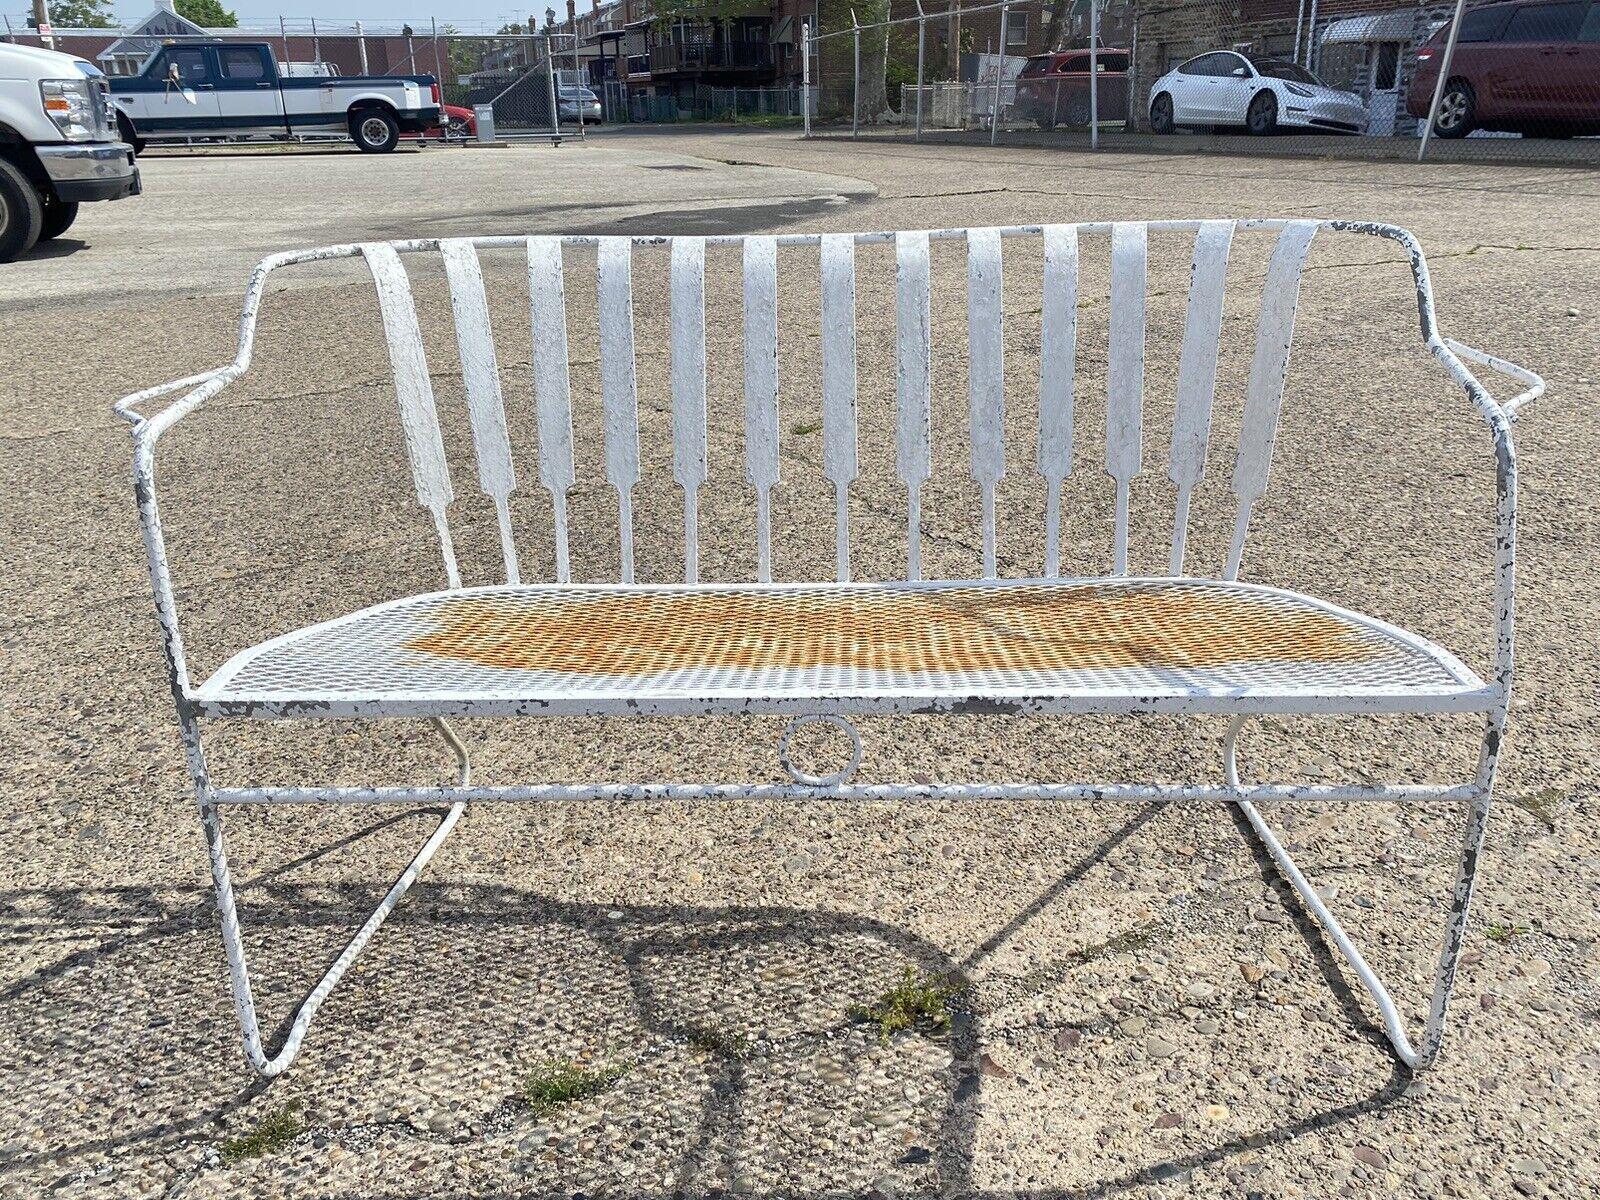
1184	643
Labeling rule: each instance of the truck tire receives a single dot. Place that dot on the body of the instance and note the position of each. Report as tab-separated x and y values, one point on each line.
374	130
58	217
127	133
21	213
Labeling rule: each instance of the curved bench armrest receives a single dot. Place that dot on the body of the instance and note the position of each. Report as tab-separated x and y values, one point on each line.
1535	384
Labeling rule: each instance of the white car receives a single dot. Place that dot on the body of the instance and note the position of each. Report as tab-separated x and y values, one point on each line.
1226	87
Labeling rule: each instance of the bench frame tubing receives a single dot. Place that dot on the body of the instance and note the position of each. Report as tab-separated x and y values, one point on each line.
212	800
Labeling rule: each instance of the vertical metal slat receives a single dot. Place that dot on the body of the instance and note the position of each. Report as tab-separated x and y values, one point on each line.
913	375
1057	359
1125	380
986	377
1280	297
552	391
839	383
761	387
619	393
1197	373
430	473
689	388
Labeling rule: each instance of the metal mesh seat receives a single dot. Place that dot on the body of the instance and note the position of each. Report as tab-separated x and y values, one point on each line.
1116	645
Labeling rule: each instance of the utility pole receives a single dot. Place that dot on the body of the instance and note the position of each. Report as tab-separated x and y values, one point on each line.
41	19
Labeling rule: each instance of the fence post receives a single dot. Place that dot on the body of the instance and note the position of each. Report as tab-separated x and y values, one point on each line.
438	73
805	75
999	75
922	46
1444	74
1094	75
855	89
361	44
283	32
550	87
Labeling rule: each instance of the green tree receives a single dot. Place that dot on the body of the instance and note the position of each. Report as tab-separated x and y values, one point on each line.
670	12
79	14
208	14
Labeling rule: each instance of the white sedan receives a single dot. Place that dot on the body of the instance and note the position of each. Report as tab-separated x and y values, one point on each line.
1226	87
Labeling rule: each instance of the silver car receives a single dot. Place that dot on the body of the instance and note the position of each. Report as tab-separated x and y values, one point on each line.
1225	87
578	104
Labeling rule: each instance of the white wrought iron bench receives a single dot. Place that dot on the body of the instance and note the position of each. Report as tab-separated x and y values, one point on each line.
1181	643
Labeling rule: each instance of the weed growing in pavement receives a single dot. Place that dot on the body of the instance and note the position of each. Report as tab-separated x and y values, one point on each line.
272	1133
918	1001
561	1081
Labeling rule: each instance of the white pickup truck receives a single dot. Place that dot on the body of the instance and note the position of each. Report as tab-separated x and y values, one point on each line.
227	89
58	146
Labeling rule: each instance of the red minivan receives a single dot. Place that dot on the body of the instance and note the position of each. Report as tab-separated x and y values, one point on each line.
1529	68
1053	89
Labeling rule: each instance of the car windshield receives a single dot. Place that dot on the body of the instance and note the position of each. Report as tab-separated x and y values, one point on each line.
1281	68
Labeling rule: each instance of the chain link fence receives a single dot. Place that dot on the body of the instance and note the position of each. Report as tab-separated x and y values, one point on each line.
702	102
1513	80
531	83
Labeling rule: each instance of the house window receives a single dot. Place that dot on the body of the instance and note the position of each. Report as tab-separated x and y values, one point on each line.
1017	29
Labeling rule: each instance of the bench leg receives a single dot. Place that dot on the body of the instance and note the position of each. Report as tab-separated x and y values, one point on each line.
233	938
1417	1058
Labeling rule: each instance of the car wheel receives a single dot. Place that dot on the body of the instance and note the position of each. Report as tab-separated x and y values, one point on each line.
21	213
1161	114
374	130
1078	112
1457	114
58	217
457	128
1261	118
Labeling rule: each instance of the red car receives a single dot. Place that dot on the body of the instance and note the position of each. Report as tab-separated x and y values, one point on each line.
457	124
1053	89
1523	68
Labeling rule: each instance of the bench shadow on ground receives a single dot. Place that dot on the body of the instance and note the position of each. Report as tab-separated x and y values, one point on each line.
55	1012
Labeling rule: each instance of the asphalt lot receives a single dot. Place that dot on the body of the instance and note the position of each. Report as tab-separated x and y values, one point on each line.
1148	1013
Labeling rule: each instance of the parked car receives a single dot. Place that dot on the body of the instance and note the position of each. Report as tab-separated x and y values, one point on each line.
58	146
458	125
1520	68
226	89
577	104
1053	89
1227	88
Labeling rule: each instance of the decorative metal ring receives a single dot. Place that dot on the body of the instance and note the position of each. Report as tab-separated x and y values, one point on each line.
838	777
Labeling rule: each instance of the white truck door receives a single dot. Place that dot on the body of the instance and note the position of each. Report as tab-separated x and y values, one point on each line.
247	93
187	101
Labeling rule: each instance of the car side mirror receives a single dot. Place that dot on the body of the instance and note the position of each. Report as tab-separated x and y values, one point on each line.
1241	72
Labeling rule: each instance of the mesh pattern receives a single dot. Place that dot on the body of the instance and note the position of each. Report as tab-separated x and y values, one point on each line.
1138	636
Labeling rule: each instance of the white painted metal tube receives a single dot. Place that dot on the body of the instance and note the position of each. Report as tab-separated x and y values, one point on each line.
650	792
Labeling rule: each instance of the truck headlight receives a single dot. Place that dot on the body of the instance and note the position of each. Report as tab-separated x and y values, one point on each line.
70	105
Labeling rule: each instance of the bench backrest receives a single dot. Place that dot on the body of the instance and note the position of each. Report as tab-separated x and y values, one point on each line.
1057	453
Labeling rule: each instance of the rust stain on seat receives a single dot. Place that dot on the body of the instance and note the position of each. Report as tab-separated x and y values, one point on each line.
1046	627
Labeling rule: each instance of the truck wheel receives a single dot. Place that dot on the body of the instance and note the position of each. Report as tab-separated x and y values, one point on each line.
21	213
375	130
58	217
128	134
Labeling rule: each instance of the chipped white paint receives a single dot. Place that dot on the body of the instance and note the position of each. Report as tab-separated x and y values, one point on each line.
1125	374
1197	373
986	389
481	373
689	389
1280	295
413	389
839	385
1058	352
432	484
551	390
761	388
913	384
614	289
